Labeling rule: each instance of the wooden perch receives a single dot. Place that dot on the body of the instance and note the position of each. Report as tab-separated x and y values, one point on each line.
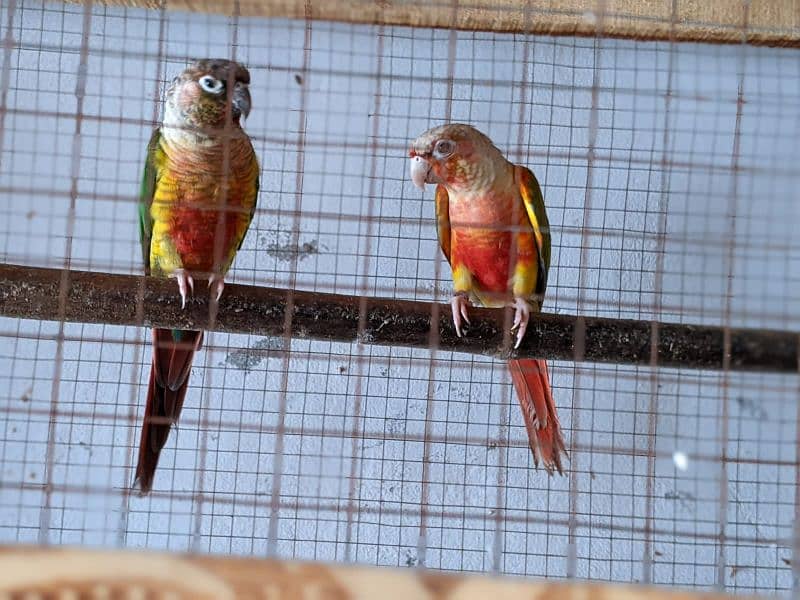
760	22
35	293
68	573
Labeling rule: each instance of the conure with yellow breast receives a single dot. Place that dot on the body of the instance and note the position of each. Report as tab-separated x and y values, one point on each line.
197	200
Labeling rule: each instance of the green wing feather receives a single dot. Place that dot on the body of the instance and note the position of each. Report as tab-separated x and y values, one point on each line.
256	186
254	171
146	193
534	205
443	220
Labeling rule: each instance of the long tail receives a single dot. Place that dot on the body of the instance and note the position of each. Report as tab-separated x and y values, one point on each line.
173	351
539	411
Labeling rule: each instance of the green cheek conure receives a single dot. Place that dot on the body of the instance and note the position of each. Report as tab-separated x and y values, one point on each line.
494	232
197	200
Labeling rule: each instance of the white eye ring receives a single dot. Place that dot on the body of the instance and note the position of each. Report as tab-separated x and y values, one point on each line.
444	148
211	85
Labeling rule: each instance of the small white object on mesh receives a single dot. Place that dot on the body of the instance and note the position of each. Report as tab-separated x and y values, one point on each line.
681	460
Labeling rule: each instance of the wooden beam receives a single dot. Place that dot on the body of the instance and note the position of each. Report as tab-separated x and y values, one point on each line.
71	573
760	22
90	297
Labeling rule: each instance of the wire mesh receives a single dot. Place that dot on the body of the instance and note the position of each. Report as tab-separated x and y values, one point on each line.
668	173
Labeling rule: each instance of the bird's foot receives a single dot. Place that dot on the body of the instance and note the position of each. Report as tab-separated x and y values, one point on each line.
185	284
460	305
216	283
522	313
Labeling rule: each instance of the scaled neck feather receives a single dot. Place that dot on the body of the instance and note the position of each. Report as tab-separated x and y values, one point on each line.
475	179
177	133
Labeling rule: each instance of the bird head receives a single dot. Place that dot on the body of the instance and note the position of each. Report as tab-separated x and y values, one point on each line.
456	155
206	93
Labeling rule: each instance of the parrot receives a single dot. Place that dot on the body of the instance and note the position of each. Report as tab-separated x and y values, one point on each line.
494	232
197	199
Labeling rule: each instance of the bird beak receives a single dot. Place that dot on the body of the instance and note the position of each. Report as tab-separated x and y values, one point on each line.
420	171
241	100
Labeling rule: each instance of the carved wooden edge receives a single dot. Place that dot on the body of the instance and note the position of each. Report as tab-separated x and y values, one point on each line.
758	22
32	572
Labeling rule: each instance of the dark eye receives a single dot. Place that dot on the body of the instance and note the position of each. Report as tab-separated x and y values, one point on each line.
211	85
444	148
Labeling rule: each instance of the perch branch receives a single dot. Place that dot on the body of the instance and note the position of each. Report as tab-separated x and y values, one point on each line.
27	572
33	293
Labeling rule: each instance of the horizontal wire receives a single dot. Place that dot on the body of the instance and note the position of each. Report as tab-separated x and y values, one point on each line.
254	500
220	426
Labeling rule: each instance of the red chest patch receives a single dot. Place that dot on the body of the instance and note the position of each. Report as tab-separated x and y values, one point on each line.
200	235
482	234
487	256
210	206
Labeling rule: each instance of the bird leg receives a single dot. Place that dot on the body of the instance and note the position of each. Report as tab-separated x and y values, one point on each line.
216	283
459	304
522	314
185	283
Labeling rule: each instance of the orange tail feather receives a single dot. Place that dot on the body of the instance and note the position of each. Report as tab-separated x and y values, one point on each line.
532	385
169	379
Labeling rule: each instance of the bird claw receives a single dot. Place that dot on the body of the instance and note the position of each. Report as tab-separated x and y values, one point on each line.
460	305
522	314
216	283
185	284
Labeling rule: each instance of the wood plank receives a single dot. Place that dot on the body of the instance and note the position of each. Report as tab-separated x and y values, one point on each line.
27	572
760	22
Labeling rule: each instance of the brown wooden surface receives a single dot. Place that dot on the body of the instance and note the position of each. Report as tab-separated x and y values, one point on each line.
71	573
763	22
90	297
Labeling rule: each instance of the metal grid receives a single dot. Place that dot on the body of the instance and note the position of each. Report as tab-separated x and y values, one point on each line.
669	175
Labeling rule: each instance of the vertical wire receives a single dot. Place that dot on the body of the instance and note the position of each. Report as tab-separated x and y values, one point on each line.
275	492
731	217
5	71
138	340
363	352
505	405
795	561
661	233
223	213
422	540
63	287
572	557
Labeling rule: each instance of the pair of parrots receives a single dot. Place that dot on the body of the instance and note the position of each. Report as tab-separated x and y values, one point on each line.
199	194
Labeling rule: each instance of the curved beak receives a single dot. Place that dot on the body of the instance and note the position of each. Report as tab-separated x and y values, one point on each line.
420	169
241	100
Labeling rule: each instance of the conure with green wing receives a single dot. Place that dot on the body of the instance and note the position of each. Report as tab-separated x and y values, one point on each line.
494	232
197	200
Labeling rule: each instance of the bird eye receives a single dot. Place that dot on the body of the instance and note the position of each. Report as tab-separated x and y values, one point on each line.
211	85
444	147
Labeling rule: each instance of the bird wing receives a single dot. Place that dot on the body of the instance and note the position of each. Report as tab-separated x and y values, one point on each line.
252	185
146	194
443	220
532	197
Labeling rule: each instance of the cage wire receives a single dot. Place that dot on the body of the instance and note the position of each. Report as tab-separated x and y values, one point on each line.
669	174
